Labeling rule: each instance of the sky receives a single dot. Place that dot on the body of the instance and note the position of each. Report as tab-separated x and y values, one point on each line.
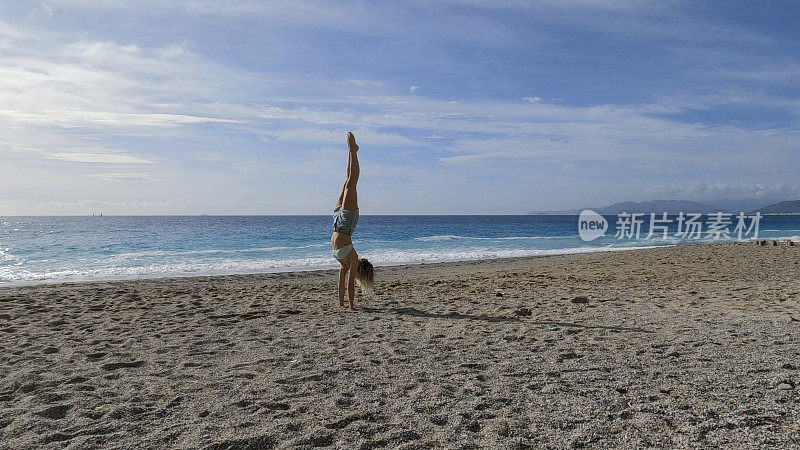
459	107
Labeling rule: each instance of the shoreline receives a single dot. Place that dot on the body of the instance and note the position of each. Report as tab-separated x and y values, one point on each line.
365	215
545	253
115	250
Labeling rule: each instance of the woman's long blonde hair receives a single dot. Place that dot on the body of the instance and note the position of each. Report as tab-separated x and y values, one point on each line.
366	276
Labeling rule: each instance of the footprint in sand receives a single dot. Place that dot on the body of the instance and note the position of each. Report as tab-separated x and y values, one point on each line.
96	356
263	441
55	412
277	406
121	365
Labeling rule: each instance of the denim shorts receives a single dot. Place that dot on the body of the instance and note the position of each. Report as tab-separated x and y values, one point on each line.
344	220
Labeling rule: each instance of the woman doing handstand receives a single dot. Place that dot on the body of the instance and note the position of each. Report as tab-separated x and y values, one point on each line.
345	217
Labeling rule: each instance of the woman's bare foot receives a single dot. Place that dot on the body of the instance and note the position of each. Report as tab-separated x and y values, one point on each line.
351	142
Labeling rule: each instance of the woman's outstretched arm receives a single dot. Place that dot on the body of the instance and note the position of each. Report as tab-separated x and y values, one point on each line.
351	285
342	285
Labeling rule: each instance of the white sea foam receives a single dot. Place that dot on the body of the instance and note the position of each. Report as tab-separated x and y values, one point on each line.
399	256
169	253
236	266
5	256
783	238
519	238
447	237
224	267
450	237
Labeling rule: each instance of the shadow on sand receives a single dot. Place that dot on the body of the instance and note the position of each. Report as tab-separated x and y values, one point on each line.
431	315
414	312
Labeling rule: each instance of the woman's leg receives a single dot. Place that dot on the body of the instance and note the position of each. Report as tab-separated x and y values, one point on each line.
341	194
350	200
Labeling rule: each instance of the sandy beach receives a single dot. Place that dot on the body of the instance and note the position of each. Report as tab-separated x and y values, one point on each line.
690	346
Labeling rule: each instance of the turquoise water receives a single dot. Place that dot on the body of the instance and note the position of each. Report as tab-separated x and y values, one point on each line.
52	249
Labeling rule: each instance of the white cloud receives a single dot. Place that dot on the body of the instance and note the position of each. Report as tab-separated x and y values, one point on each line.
96	90
65	97
363	83
75	119
702	190
787	73
101	83
366	137
106	158
120	176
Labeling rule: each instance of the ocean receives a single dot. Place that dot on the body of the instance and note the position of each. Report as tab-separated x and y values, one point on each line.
58	249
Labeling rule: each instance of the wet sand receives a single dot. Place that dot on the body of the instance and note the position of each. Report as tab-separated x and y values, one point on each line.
691	346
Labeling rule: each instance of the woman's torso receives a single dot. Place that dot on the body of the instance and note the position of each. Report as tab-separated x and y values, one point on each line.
339	240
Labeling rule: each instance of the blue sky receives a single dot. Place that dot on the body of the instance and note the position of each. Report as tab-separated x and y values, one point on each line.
473	107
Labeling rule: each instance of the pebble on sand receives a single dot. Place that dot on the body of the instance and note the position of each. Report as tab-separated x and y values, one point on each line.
523	312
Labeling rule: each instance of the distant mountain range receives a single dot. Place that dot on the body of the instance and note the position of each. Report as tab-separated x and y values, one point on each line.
787	207
765	206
